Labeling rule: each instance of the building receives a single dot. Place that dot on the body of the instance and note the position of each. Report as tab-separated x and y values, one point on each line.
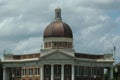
57	60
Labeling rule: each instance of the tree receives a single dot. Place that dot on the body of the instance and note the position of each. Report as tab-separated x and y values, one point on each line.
116	72
1	70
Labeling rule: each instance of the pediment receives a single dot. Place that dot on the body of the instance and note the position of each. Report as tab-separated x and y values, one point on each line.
57	55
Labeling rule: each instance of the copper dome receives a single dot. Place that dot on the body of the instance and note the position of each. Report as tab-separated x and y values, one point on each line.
58	29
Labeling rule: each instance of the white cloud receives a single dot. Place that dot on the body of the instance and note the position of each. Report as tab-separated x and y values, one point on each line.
30	45
22	23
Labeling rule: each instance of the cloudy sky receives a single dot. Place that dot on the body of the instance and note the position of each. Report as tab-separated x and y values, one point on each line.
95	24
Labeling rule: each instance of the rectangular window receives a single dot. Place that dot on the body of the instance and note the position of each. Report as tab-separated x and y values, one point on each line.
47	70
67	70
57	69
76	70
92	71
17	72
98	71
79	71
30	71
86	70
37	71
24	72
46	45
89	71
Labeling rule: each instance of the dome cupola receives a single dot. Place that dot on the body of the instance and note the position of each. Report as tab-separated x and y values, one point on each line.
58	34
58	28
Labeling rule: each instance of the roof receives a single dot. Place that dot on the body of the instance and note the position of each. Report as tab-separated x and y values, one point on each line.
58	29
89	56
77	55
26	56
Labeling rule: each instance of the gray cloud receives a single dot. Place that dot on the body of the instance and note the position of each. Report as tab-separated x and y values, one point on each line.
22	24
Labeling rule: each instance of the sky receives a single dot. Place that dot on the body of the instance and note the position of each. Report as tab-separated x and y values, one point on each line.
95	24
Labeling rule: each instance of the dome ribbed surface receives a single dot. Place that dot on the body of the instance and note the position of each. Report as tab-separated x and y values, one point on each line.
58	29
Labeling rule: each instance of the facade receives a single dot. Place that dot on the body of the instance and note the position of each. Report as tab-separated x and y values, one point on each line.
57	60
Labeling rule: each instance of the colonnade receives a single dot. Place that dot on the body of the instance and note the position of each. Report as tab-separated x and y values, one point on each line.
7	76
62	72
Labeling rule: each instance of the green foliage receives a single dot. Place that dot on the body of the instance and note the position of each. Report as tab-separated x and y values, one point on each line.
116	74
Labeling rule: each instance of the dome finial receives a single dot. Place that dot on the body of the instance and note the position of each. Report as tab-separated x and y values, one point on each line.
58	14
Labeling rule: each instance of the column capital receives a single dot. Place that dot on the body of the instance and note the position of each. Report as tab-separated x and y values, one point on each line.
52	64
62	64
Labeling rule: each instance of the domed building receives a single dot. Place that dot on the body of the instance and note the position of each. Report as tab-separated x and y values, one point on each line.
57	60
58	34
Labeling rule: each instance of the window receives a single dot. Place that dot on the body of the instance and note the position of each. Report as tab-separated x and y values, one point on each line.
55	44
47	70
92	71
59	44
17	72
64	45
69	45
49	44
78	70
86	70
89	71
57	69
81	70
37	71
24	72
67	70
30	72
98	71
46	45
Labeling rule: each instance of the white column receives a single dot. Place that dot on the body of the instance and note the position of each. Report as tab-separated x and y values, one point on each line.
52	72
62	72
41	72
111	73
4	73
72	72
